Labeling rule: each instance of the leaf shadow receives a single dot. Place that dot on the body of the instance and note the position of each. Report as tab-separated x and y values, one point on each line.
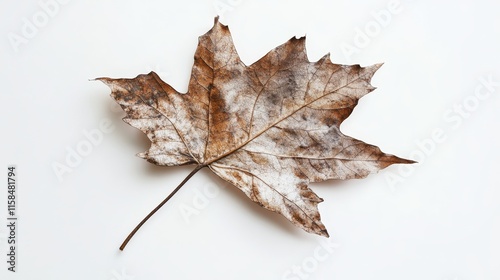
271	219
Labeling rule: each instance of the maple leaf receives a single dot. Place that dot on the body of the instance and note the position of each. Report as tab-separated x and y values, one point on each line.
269	129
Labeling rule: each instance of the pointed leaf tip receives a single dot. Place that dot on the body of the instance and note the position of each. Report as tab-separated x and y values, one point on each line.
377	66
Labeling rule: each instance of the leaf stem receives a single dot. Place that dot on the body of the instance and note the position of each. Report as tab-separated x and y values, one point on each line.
125	242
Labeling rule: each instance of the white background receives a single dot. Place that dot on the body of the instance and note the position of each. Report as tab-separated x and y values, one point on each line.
436	220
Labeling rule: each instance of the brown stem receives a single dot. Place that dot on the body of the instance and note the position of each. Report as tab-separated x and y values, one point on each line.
198	167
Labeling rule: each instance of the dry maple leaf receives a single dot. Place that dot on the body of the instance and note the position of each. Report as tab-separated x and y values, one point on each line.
270	128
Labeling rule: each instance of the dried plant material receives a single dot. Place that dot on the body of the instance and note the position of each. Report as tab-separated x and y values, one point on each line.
269	129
